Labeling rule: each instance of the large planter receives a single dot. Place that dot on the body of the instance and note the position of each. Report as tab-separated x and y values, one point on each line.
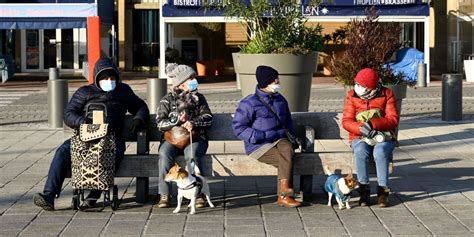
469	69
296	73
400	92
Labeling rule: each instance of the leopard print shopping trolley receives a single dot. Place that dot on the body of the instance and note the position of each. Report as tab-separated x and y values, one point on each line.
93	152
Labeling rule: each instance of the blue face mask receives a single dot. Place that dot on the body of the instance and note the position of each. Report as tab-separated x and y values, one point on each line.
192	85
107	85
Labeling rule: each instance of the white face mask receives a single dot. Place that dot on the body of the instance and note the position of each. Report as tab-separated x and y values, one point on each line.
361	91
274	88
107	85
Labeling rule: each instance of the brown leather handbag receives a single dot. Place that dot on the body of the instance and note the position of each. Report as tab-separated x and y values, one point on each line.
179	136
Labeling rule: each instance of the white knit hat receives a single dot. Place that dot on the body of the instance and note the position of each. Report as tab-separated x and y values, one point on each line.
179	73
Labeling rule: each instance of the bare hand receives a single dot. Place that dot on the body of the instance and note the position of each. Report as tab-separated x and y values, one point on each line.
183	117
188	125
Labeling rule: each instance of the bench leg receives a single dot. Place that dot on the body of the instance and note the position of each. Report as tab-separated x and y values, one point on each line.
142	189
306	185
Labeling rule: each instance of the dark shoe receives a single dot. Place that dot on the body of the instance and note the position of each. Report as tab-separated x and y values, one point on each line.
382	196
364	192
285	196
44	200
91	199
201	201
165	200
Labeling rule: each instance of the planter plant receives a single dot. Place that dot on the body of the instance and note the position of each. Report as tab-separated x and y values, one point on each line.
372	44
278	37
210	32
334	47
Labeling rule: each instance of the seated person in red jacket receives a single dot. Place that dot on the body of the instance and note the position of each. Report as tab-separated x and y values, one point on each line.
370	116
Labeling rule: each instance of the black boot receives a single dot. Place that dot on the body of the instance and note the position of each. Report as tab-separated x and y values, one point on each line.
364	192
382	196
44	200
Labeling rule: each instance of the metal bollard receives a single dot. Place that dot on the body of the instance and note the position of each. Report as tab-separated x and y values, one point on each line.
421	80
53	73
57	98
156	88
451	97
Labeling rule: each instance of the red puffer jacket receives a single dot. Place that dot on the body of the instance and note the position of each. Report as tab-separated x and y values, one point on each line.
384	101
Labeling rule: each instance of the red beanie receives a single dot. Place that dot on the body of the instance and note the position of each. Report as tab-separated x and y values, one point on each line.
367	78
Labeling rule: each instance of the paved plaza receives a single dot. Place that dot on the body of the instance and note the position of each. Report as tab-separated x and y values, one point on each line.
432	182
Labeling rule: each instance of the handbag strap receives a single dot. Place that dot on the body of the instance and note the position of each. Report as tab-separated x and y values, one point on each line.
271	110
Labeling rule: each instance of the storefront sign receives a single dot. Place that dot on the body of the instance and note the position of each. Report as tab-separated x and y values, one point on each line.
200	3
182	8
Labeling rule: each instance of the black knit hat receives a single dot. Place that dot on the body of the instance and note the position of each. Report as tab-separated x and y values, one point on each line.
265	75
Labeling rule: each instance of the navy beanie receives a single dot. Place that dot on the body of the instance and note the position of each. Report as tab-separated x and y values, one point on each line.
265	75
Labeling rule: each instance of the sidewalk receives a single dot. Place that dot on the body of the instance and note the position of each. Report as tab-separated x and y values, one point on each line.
433	181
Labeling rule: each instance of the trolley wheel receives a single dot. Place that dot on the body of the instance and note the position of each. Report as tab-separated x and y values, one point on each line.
75	199
115	201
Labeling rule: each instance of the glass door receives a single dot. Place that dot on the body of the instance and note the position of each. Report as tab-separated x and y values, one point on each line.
146	38
32	50
49	49
67	49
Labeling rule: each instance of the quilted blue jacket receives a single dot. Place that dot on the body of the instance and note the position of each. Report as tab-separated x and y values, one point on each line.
256	125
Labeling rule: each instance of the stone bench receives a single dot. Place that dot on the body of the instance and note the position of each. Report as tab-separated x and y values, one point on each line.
226	155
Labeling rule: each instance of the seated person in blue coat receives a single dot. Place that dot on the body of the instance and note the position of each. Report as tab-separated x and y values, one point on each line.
262	132
118	98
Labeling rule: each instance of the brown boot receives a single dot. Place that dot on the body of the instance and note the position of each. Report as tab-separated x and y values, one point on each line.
285	195
382	196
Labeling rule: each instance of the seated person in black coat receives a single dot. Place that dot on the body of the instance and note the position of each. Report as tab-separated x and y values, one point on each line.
119	98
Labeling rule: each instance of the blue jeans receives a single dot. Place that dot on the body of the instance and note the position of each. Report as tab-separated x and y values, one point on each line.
167	157
381	153
61	166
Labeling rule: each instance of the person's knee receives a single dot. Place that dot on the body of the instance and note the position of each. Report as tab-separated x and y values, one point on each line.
382	152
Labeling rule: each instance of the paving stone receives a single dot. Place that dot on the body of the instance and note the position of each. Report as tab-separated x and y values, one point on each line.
285	233
82	231
9	233
370	234
130	216
122	228
44	228
199	233
157	227
408	229
245	231
204	226
327	231
238	222
92	215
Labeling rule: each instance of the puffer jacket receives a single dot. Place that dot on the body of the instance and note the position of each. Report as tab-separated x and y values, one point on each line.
256	125
117	102
167	115
384	101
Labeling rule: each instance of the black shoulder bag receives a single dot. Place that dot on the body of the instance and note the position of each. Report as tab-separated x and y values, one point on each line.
295	142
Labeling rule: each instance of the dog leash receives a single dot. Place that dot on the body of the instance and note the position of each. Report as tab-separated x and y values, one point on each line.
193	161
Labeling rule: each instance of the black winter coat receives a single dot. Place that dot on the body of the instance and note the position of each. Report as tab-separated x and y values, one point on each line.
117	102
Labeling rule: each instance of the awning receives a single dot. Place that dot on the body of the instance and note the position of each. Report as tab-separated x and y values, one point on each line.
66	14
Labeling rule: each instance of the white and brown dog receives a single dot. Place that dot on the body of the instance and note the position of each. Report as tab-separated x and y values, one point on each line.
339	186
189	186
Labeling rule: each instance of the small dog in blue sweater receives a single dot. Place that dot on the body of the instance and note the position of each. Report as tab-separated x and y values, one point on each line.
339	186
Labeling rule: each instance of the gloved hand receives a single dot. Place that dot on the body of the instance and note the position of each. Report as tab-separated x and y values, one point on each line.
138	125
367	131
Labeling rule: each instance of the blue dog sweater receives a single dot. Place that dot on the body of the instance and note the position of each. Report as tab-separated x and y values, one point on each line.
331	187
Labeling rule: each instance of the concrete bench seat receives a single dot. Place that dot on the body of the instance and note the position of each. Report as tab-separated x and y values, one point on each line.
322	143
226	155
